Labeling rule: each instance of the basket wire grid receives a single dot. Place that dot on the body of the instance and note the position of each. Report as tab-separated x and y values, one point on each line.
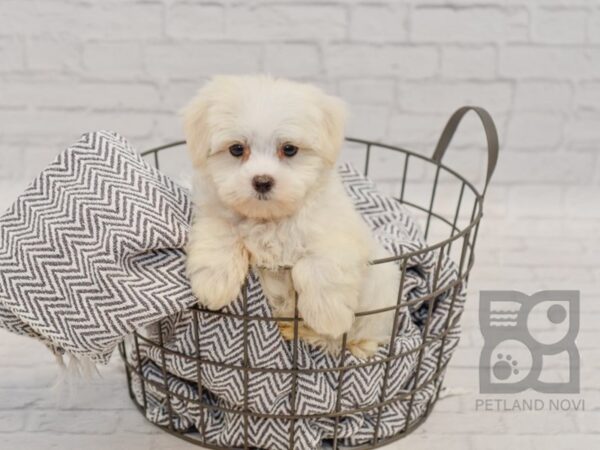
465	236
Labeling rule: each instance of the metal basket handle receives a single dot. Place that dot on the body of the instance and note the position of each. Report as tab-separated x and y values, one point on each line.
490	133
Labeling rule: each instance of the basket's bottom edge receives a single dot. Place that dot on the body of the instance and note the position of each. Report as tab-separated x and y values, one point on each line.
380	443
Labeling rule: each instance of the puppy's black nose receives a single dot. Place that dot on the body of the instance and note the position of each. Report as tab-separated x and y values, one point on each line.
263	183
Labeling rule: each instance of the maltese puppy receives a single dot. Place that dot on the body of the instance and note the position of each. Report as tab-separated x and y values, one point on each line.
266	195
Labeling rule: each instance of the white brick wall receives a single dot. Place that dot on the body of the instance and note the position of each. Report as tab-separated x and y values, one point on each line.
67	66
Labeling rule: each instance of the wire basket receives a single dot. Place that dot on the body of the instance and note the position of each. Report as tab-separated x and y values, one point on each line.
454	223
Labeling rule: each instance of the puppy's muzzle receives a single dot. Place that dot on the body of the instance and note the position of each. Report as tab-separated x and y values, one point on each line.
263	183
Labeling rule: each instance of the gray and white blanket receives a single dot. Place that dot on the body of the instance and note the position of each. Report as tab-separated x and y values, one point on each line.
92	251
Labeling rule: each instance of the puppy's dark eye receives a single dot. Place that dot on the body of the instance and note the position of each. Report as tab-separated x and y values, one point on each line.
289	150
236	150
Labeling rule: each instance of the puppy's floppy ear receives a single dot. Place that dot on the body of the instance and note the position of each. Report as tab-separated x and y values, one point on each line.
196	129
334	121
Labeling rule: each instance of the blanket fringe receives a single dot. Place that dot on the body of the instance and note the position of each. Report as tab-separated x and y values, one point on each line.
78	368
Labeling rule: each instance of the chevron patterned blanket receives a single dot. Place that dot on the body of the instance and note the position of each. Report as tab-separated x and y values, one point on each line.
92	251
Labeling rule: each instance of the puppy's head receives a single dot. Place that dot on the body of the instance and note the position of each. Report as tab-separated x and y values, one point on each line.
263	143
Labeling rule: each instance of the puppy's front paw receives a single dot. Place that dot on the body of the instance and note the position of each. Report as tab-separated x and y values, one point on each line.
337	322
326	314
216	286
327	295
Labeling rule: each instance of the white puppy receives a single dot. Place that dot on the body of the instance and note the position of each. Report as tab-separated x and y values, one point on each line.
267	195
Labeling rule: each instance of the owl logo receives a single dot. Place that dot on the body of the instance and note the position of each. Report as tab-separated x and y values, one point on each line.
529	342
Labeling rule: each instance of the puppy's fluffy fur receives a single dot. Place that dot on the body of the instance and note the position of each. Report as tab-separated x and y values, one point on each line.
239	128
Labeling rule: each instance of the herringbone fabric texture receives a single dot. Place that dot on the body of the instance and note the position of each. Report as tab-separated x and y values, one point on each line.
93	251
